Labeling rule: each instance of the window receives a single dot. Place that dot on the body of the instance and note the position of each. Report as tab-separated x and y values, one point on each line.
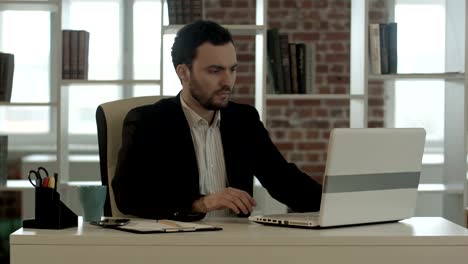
124	61
421	49
29	41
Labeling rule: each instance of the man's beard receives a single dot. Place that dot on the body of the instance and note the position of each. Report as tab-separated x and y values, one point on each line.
207	101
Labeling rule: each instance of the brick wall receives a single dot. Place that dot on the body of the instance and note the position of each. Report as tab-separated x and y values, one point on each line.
300	127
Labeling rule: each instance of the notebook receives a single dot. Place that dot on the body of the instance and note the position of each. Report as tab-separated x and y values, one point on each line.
147	226
371	176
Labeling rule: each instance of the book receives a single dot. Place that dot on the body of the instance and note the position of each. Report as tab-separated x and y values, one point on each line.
65	54
374	48
147	226
197	10
179	11
284	47
171	10
293	61
383	49
3	159
73	54
301	67
392	47
310	69
186	12
83	50
7	67
274	54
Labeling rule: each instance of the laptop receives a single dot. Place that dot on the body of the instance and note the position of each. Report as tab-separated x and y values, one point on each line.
371	176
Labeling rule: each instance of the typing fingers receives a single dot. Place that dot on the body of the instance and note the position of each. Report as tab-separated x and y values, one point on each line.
241	199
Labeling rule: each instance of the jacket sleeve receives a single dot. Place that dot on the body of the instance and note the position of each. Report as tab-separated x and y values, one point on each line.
283	180
142	187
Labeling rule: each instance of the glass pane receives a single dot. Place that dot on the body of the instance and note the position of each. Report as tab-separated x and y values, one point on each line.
102	20
172	85
83	103
24	119
429	110
26	34
421	42
147	40
29	40
421	49
146	90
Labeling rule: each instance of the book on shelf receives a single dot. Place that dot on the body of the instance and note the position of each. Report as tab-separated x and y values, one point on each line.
293	69
75	54
383	53
274	55
197	9
374	48
310	69
383	48
7	67
284	49
3	159
392	47
301	67
66	54
171	10
83	52
184	11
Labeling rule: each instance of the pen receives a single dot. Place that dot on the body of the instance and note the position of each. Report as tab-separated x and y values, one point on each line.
56	182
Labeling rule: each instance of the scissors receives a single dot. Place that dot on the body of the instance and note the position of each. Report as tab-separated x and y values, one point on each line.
35	177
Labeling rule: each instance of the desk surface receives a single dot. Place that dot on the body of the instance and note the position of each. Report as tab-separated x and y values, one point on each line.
237	231
416	240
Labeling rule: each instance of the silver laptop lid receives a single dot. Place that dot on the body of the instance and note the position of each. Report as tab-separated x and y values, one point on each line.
372	175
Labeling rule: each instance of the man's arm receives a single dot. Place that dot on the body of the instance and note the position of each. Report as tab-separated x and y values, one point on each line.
283	180
146	184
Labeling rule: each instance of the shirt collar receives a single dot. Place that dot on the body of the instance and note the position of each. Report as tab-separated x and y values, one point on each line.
193	118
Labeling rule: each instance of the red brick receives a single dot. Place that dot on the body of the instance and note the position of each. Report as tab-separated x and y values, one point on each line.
341	36
306	37
337	58
276	102
241	3
337	79
295	135
285	146
225	3
305	102
311	146
296	157
273	4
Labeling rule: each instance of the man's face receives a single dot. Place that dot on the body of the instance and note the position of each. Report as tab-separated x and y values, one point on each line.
213	75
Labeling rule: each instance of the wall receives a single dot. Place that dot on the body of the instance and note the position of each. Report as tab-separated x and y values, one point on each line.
300	127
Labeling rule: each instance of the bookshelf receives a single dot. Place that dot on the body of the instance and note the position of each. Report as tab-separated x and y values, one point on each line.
454	186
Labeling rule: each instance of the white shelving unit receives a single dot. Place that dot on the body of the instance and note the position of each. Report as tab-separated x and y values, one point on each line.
454	189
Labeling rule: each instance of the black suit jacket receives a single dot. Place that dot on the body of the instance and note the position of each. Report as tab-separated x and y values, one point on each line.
157	170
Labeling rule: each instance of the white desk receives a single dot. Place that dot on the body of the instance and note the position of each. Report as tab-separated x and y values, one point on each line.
417	240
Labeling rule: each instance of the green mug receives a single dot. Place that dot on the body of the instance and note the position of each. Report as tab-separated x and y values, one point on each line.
92	200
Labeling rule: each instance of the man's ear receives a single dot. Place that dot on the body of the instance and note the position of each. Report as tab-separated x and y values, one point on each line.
183	72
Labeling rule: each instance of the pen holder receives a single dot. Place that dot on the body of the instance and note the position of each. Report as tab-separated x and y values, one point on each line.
51	213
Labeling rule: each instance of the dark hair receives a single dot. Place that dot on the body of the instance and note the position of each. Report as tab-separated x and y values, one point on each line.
191	36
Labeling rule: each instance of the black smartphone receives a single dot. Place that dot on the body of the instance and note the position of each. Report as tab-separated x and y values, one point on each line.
111	222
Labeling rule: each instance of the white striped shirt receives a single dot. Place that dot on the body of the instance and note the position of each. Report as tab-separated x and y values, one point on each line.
209	151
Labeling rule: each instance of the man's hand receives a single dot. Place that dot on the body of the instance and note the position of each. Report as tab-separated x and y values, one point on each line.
234	199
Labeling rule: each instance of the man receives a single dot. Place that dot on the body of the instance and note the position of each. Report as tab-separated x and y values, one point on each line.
198	152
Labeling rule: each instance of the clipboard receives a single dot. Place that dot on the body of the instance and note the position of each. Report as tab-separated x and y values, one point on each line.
144	226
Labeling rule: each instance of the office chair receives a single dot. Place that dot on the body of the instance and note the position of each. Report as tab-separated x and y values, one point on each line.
109	120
